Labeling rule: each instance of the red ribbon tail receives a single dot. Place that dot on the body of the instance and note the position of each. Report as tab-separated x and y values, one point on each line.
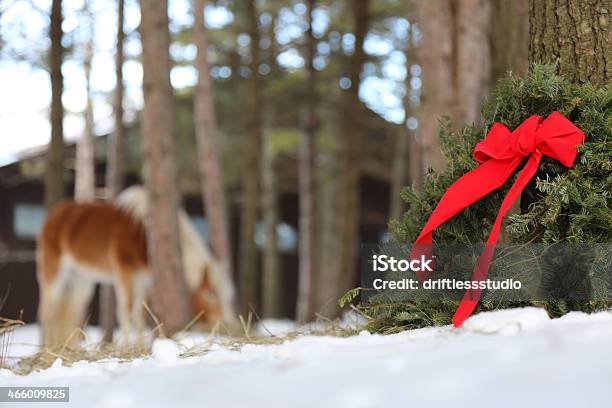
481	271
468	189
465	309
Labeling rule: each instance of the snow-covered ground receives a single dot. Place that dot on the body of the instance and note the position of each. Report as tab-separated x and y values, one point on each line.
512	358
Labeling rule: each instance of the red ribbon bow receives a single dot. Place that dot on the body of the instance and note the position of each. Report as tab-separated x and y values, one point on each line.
499	154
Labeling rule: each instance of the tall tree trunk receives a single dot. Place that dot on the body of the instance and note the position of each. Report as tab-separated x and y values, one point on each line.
213	190
169	297
509	38
114	169
454	54
274	48
329	234
85	172
306	302
436	58
350	134
115	159
415	160
398	177
271	278
54	175
407	151
329	226
473	58
251	179
575	35
415	152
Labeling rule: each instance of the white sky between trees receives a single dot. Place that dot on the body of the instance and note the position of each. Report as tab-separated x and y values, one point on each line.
26	90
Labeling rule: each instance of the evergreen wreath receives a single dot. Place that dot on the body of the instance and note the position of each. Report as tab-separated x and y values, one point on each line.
560	205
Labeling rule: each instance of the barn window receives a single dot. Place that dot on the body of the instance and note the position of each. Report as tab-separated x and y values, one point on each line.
385	237
27	220
286	237
201	225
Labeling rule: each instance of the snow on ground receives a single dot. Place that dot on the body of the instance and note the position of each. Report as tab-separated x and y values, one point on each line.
503	359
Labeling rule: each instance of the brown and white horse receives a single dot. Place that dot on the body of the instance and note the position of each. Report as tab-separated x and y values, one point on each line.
82	244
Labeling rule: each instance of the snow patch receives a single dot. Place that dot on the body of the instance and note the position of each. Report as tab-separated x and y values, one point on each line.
275	327
165	351
581	317
507	321
504	358
117	400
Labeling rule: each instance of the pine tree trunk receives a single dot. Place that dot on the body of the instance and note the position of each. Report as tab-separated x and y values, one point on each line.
169	298
213	190
414	146
509	38
274	49
54	174
329	233
272	304
398	176
407	151
415	160
575	35
271	278
436	58
350	135
455	57
306	302
85	177
114	169
115	159
472	58
250	184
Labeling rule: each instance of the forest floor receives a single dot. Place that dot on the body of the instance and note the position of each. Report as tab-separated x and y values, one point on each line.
505	358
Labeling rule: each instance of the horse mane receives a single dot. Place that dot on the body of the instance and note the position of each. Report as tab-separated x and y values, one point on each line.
195	253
